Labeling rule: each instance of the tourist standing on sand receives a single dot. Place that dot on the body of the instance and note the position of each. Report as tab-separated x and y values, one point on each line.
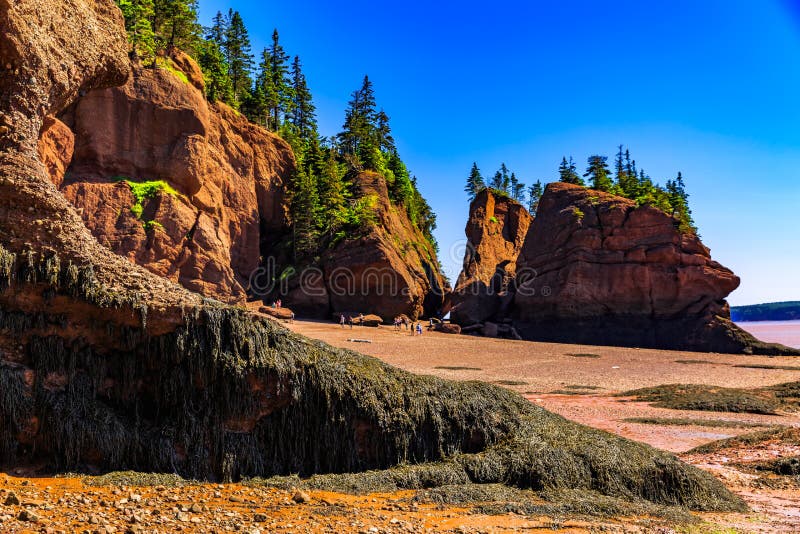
350	320
419	329
341	320
361	319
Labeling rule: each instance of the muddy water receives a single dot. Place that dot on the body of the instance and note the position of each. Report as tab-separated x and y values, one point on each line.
785	332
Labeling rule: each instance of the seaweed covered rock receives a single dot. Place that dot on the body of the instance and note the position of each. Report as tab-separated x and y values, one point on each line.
226	395
596	268
188	189
495	231
104	364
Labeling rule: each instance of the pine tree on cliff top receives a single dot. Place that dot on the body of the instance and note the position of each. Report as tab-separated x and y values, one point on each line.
138	23
333	193
679	200
215	72
278	86
568	172
238	56
358	132
517	189
534	195
218	30
175	23
302	112
475	183
598	173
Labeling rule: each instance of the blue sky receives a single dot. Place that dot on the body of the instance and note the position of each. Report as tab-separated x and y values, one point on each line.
710	88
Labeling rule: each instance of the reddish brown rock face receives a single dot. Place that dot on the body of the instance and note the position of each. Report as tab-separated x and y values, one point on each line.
229	174
496	230
595	268
388	270
594	254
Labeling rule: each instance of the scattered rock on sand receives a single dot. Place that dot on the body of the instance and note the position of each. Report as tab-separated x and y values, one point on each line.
301	497
278	313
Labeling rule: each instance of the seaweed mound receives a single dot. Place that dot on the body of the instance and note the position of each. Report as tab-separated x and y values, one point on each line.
106	366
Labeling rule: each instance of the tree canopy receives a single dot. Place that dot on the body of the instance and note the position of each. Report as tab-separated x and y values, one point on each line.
625	180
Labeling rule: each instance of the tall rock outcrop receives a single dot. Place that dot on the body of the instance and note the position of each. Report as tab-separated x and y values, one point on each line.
495	231
597	269
387	267
226	177
105	365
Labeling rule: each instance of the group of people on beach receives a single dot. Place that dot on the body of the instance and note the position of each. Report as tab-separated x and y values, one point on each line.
403	322
350	320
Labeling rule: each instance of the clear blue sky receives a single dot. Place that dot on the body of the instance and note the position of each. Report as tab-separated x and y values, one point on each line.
710	88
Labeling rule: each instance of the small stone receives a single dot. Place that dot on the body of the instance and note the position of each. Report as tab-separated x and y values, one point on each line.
28	516
260	518
12	499
301	497
196	509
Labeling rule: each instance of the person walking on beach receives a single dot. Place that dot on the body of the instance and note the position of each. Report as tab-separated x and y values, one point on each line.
341	320
361	319
419	329
350	320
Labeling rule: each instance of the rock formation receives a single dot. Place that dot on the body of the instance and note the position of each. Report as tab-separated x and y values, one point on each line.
595	268
105	364
496	230
388	269
228	209
227	174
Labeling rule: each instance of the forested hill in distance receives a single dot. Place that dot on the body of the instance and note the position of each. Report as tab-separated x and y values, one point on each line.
772	311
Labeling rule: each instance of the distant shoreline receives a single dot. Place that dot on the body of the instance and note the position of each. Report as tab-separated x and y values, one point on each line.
771	311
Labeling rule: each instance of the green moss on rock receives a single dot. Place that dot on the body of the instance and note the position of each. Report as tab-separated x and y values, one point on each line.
226	395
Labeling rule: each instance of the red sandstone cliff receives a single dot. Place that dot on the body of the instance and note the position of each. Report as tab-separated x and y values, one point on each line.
495	231
229	175
230	211
595	268
388	268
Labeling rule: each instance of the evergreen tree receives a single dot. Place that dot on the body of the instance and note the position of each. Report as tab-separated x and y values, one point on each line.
358	138
598	173
215	72
517	189
534	195
506	179
302	112
275	72
384	132
497	182
219	30
175	22
305	215
402	187
138	23
568	172
619	164
679	201
333	193
475	183
238	56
